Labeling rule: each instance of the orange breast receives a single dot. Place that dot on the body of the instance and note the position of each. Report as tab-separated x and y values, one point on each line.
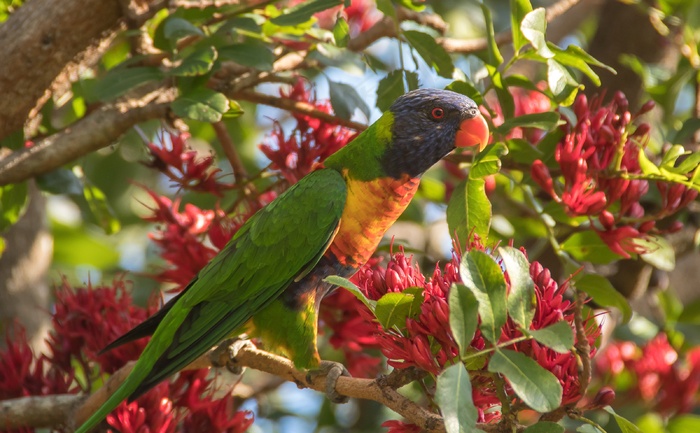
371	208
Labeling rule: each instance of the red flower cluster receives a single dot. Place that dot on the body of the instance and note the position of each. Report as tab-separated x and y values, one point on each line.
311	141
360	15
595	151
86	319
665	380
426	341
526	102
183	167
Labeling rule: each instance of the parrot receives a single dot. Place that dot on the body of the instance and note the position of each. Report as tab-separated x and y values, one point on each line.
269	278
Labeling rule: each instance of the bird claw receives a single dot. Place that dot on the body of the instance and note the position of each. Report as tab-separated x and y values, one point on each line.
332	370
228	350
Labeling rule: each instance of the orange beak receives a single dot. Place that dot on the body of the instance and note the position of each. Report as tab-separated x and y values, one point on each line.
473	132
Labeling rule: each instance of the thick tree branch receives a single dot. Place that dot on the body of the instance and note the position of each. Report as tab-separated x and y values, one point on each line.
38	412
95	131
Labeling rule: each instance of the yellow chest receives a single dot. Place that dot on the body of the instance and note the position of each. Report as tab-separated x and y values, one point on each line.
371	208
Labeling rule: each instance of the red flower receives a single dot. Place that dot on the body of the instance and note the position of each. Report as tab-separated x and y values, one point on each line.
87	319
150	413
183	167
311	141
395	426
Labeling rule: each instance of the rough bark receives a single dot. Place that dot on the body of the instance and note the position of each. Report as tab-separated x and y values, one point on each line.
39	40
24	293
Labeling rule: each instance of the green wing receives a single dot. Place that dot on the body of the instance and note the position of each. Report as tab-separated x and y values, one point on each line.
280	242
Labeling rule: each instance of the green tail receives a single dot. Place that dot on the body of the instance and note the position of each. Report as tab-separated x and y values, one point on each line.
121	394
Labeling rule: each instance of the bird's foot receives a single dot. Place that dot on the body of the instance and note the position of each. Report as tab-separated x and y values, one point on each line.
225	355
332	370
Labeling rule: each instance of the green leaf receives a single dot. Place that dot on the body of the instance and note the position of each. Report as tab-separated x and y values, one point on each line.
303	12
469	210
661	254
536	387
352	288
60	181
604	294
646	165
625	425
587	246
558	337
433	53
392	86
201	104
481	274
576	57
175	28
545	121
199	62
521	151
505	98
466	89
415	5
118	81
387	8
463	316
687	130
453	395
558	77
344	100
488	161
534	27
684	424
13	201
545	427
689	164
101	209
521	298
251	53
393	309
494	57
74	246
518	10
341	32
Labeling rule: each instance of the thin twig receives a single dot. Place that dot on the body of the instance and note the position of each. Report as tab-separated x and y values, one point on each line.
583	347
297	107
239	171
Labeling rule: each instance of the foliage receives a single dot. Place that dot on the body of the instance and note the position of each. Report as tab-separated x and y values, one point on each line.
500	334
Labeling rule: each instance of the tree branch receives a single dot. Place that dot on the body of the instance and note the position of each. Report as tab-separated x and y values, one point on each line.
40	412
467	46
297	107
95	131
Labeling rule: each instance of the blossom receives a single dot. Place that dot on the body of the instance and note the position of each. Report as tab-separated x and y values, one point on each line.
594	157
86	319
666	380
311	141
184	167
425	340
150	413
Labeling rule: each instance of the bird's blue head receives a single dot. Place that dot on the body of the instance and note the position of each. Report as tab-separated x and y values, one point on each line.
429	124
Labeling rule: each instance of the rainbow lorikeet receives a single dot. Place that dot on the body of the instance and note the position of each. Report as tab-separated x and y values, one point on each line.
268	279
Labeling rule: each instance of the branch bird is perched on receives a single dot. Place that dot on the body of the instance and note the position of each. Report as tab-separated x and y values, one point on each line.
268	280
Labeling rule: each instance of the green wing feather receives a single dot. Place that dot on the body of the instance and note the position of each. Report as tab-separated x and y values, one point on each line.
279	242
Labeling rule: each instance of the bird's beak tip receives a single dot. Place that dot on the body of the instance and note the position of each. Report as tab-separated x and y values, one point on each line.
473	132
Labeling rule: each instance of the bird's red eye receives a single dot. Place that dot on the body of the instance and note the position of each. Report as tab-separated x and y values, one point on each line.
438	113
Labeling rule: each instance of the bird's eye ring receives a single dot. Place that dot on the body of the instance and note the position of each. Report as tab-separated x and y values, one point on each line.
438	113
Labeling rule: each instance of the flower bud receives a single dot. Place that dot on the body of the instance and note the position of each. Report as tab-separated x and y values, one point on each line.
604	397
607	219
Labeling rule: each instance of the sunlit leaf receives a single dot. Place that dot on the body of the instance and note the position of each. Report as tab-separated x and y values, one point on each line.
303	12
558	337
603	293
469	210
352	288
433	53
537	387
453	395
534	27
481	274
201	104
521	297
463	316
518	10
